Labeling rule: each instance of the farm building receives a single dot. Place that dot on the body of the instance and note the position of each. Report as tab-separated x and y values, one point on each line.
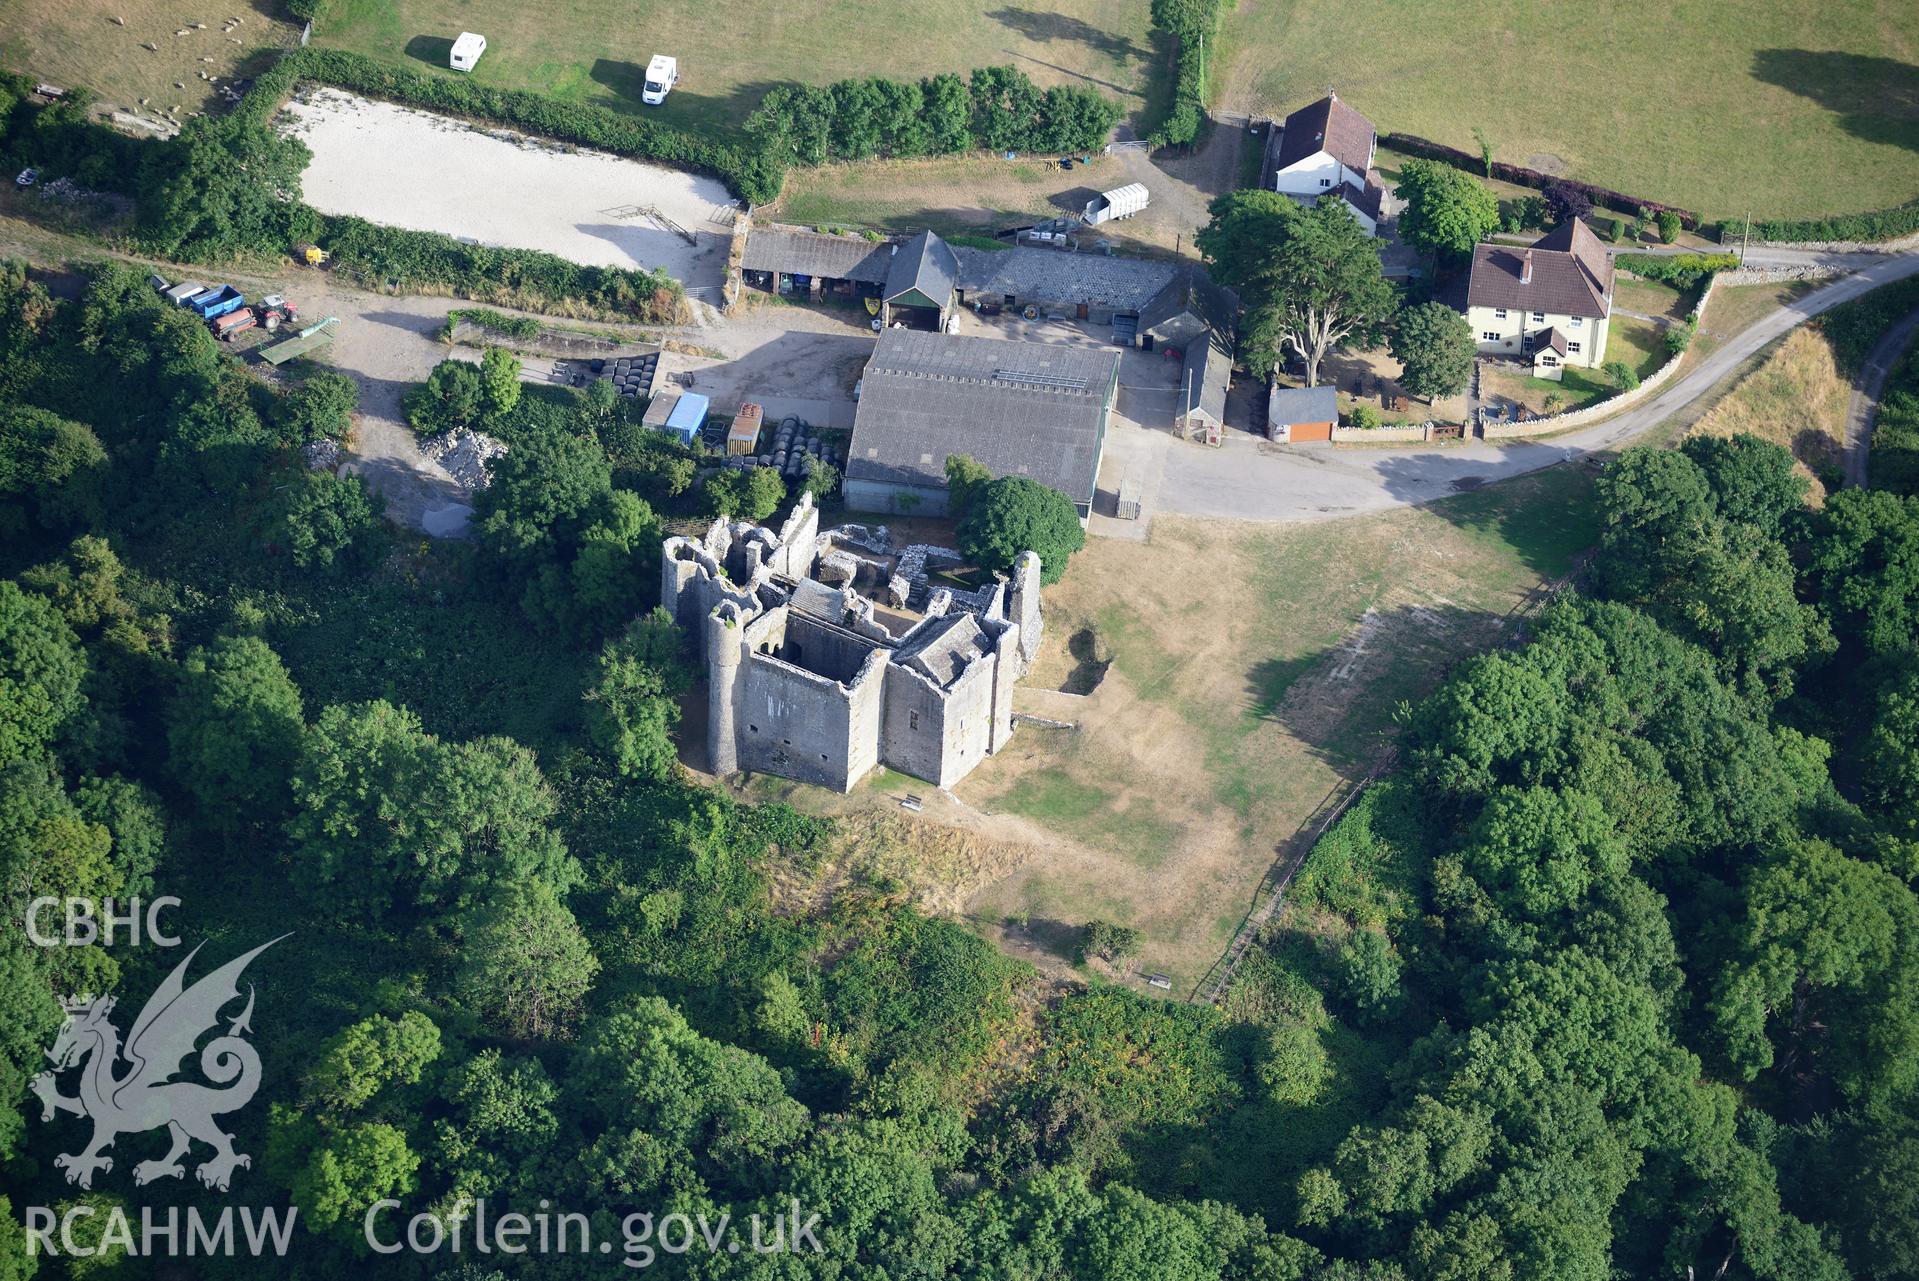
918	292
681	414
1201	414
920	280
786	259
1021	409
1186	307
1298	414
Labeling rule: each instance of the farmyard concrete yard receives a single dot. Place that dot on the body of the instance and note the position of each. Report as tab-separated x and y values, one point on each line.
406	168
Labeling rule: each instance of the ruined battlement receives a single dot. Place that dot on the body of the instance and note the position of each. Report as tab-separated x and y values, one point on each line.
815	681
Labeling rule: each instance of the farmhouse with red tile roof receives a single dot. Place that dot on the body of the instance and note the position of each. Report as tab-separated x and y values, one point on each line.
1326	149
1556	293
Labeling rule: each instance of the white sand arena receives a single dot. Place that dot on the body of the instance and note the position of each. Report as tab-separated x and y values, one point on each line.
407	168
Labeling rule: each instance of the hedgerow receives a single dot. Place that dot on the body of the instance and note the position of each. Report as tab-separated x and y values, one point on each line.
1681	271
1413	145
1895	438
1878	224
997	108
1854	328
1192	25
402	261
496	321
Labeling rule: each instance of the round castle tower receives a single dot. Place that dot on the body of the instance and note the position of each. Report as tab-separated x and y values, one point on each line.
723	635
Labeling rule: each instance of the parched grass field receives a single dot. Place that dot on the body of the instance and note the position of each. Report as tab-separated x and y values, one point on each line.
731	51
1774	109
1251	667
1792	110
1796	399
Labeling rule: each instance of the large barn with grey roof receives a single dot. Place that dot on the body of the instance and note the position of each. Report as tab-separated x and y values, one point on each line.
1022	409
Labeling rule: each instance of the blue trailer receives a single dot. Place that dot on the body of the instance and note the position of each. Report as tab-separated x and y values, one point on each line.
215	303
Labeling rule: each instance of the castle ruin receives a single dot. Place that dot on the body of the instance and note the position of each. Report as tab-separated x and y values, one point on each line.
810	679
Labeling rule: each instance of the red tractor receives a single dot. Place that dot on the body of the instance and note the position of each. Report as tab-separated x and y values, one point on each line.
273	311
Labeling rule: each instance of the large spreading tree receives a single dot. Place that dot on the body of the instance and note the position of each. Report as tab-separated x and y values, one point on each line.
1013	515
1310	279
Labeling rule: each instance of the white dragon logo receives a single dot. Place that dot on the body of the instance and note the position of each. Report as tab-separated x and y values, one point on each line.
173	1019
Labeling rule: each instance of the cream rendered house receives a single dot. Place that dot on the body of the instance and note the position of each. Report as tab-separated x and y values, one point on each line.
1326	149
1548	305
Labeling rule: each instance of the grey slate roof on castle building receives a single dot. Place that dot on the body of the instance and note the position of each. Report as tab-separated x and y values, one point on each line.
942	649
1022	409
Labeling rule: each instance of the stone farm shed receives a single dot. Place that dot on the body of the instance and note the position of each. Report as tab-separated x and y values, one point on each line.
1298	414
1202	390
1187	306
815	262
1021	409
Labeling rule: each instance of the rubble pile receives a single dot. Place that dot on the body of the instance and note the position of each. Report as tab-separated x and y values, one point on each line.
322	455
465	455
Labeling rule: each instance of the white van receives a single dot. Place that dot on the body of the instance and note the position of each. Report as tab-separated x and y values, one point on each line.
662	73
466	51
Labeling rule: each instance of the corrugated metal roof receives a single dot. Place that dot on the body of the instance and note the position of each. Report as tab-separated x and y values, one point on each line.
811	253
1021	409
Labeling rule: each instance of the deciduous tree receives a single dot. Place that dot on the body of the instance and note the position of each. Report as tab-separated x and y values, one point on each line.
1012	515
1447	210
1434	346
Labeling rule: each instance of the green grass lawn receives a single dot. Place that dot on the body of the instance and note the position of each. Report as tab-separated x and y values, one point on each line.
731	51
1639	343
1791	110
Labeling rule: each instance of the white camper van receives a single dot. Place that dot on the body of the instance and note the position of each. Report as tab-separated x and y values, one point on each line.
466	51
662	73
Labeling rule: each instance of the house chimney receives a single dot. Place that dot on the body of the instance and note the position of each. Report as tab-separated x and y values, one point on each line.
1526	268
